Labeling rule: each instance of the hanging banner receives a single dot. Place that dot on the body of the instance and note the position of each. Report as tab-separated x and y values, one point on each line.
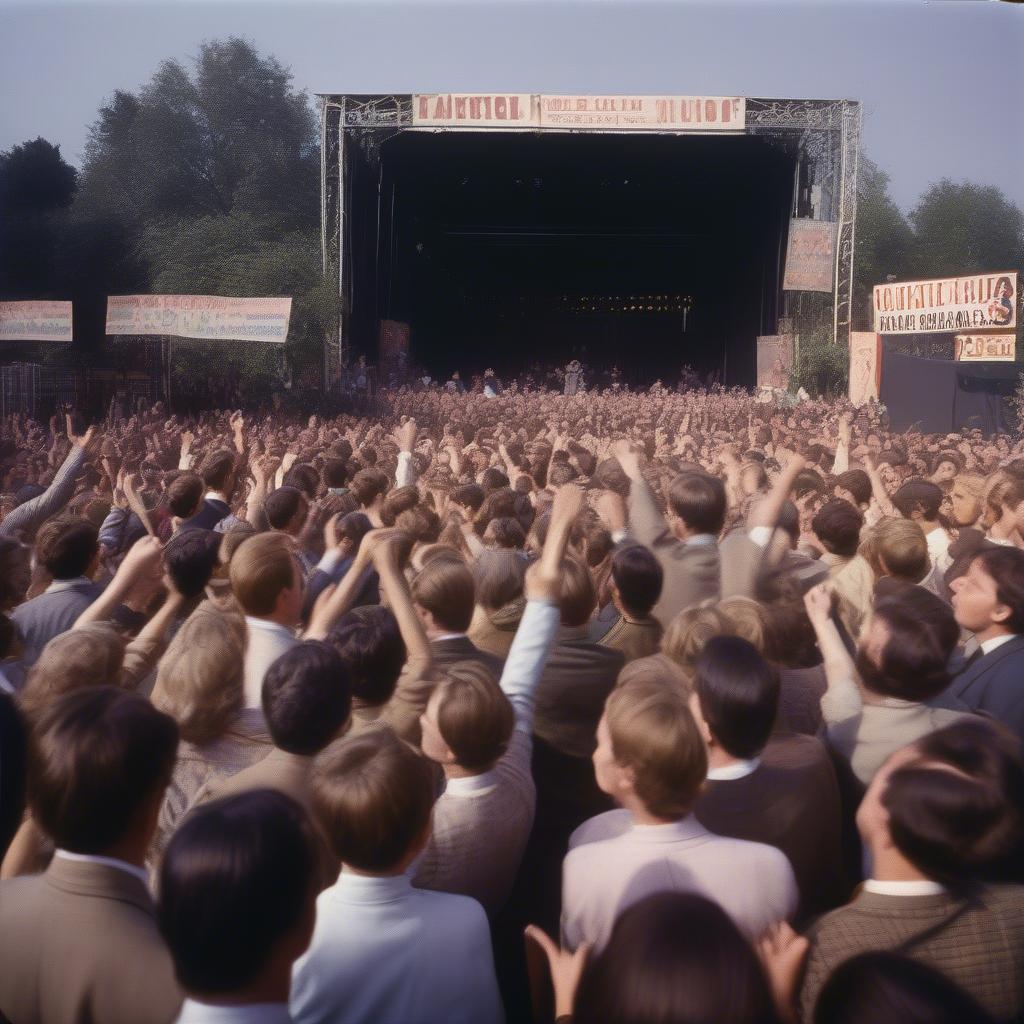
865	367
994	347
645	113
810	261
774	360
946	304
491	110
35	320
212	317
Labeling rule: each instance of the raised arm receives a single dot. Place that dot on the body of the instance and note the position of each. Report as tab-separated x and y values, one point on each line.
143	558
334	602
766	513
878	491
646	523
842	699
405	438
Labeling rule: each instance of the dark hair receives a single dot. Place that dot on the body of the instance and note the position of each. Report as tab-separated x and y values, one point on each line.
955	810
304	478
698	499
191	557
96	757
335	473
923	633
445	589
918	496
354	526
239	874
498	577
307	697
15	571
561	473
858	483
282	505
838	525
469	496
371	646
638	578
506	532
398	501
493	479
1006	567
368	485
184	494
674	958
739	694
216	469
65	546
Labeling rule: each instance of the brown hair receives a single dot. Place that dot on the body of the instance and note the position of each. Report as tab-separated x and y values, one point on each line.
498	576
184	494
690	630
747	618
367	485
579	597
216	469
474	716
398	501
445	589
261	567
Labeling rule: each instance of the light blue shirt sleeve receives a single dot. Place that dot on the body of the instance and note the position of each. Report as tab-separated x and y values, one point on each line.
525	663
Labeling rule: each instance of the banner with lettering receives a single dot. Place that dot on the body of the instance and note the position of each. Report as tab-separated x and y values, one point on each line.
946	304
481	110
994	347
865	366
810	259
35	320
212	317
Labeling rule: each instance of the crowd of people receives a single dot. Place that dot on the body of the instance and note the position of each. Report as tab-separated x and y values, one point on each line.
657	707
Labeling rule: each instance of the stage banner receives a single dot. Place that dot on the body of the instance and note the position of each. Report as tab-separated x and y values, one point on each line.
644	113
992	347
35	320
946	304
810	261
489	110
865	367
774	360
212	317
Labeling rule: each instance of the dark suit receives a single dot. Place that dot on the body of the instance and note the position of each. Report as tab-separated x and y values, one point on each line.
213	510
993	683
319	581
53	612
447	652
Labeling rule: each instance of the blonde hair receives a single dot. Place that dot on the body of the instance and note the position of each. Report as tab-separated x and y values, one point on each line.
655	668
260	568
690	630
897	547
747	618
199	681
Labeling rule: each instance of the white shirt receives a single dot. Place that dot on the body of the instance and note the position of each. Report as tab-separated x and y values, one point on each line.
383	951
701	540
267	641
58	586
989	645
737	770
110	862
195	1012
909	887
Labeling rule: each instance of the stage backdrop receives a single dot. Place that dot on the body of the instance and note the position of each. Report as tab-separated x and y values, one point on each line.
36	320
213	317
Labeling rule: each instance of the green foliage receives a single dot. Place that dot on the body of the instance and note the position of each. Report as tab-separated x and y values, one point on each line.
821	367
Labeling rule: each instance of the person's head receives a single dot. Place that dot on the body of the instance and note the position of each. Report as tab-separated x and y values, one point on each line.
837	525
304	478
637	579
373	796
891	988
191	558
906	644
335	473
697	501
68	547
790	641
238	893
897	548
853	486
468	720
444	596
578	599
266	578
286	509
674	958
398	501
988	599
99	762
561	473
506	533
218	471
15	572
369	486
650	754
747	618
690	630
498	577
306	698
185	495
469	497
373	651
199	679
736	696
950	805
919	500
967	499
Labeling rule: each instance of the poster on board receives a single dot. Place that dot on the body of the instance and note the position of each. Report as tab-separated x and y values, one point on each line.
946	304
993	347
810	259
35	320
212	317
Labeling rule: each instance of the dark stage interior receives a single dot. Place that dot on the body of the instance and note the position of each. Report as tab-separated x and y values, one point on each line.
504	248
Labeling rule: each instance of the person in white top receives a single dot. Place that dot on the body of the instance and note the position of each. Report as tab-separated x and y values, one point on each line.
651	758
237	906
919	501
382	950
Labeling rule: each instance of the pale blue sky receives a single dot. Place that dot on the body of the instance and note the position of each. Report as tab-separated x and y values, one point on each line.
941	82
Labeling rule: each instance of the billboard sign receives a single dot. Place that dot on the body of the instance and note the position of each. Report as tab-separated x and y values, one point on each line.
992	347
947	304
35	320
212	317
810	256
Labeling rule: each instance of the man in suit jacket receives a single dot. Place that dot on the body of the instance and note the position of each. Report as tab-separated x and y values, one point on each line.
636	582
988	600
218	473
79	942
922	900
651	759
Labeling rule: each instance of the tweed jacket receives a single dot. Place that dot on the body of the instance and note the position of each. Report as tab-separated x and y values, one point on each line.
635	638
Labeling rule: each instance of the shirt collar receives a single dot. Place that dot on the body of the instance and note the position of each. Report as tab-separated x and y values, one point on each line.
58	586
195	1012
355	888
989	645
672	832
449	636
913	887
214	496
469	784
736	770
270	627
110	862
700	540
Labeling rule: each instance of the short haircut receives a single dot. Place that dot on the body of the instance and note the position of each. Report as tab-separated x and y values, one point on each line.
898	547
97	757
469	496
653	732
578	599
237	877
858	483
638	577
191	558
371	646
698	499
445	589
372	796
303	477
335	473
307	697
955	810
498	576
1006	568
217	468
837	525
398	501
185	494
493	479
690	630
262	567
739	695
747	618
918	496
65	546
561	473
505	532
474	716
368	485
354	526
282	505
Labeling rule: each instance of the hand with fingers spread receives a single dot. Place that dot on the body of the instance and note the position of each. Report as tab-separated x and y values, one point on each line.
566	968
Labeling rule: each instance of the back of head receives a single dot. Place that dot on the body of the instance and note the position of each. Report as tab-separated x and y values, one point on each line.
747	618
638	578
493	479
191	558
306	698
217	469
578	599
674	958
498	577
474	717
66	547
98	757
373	651
373	795
368	485
445	589
283	505
261	567
506	533
837	525
185	494
897	547
335	473
858	483
304	478
690	630
698	499
238	876
353	527
738	693
918	496
469	496
887	988
398	501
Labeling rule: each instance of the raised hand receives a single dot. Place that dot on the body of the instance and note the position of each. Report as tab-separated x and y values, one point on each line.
566	968
783	953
